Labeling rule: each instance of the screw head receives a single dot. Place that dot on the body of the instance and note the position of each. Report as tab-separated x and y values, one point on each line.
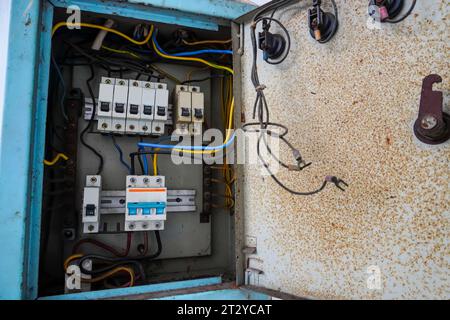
157	225
146	180
131	226
132	180
131	127
428	122
90	227
144	226
104	125
144	128
118	126
108	81
135	84
147	85
93	179
68	233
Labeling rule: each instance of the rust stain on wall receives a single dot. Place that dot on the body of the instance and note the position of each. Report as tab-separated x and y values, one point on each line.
357	125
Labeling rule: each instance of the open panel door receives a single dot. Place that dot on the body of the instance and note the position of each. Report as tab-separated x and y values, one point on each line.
350	106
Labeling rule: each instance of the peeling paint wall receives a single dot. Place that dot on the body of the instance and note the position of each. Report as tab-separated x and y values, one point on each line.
350	106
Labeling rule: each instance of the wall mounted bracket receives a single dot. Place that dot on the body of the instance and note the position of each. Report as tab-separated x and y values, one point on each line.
433	124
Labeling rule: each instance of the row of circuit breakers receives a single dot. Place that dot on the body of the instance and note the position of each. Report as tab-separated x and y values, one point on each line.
145	203
142	108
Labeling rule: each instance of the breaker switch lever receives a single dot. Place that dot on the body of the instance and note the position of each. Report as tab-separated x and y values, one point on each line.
433	124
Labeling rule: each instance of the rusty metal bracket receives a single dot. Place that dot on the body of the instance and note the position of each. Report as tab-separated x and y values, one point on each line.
433	124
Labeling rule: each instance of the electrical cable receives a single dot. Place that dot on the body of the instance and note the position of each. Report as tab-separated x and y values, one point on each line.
195	43
155	163
116	262
94	26
406	15
119	150
56	159
104	246
62	82
163	54
90	122
335	24
110	273
261	109
214	76
199	52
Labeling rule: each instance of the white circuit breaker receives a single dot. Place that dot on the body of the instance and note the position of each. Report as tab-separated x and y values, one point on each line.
146	203
104	105
161	108
120	105
134	109
188	110
148	107
198	110
131	107
91	204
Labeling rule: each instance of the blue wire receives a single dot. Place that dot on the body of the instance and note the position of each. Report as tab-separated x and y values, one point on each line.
205	51
121	154
190	53
169	146
144	160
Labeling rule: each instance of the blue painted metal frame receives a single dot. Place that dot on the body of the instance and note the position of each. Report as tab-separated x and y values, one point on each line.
105	294
227	9
226	294
22	143
139	11
20	153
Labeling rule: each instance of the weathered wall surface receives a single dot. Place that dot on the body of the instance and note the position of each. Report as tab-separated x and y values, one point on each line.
350	106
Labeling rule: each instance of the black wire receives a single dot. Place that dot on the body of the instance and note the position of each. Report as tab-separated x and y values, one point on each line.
91	120
119	150
139	153
261	108
406	15
117	262
335	25
288	36
215	76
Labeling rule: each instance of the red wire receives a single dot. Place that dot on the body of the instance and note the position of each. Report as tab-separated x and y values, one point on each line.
104	246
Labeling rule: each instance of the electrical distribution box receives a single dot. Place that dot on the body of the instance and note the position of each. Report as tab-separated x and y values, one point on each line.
346	224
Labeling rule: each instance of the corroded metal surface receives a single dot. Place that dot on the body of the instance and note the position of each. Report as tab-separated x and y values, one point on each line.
350	106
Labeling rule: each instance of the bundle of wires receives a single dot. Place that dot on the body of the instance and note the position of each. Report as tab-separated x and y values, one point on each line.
264	127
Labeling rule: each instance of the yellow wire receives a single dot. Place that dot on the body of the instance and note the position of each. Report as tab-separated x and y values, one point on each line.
56	159
95	26
213	65
70	259
206	42
110	273
122	52
155	163
103	276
